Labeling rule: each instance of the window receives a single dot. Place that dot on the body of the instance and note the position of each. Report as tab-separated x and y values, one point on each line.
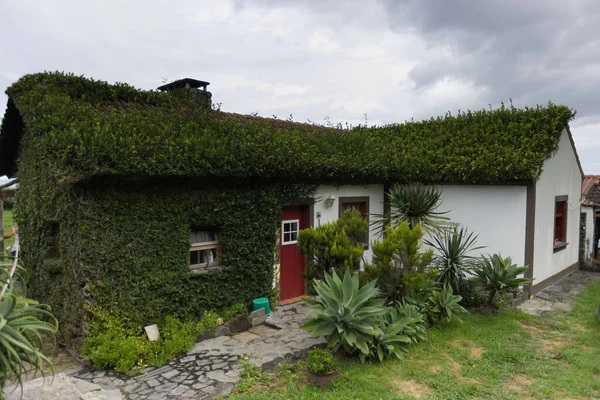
289	231
360	204
560	222
205	250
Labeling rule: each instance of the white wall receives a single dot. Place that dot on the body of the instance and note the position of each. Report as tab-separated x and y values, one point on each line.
560	176
495	213
374	192
589	231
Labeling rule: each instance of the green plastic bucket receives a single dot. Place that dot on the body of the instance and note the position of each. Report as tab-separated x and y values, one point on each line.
261	302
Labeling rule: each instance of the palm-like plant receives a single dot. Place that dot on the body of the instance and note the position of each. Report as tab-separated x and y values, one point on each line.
345	313
499	275
22	321
444	305
453	258
417	205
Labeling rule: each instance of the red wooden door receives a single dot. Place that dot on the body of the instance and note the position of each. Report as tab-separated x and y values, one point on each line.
293	219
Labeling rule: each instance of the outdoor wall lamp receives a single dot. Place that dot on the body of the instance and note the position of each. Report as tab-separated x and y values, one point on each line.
329	201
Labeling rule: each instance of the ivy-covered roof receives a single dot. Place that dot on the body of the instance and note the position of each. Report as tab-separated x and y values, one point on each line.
88	128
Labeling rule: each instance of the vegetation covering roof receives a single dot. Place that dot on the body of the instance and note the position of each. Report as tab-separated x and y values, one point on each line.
88	128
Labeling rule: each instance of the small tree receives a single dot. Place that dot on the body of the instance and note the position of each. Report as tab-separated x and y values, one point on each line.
417	205
397	260
335	246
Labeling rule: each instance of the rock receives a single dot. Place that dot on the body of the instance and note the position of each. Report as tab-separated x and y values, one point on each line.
208	334
85	386
105	383
153	382
59	388
170	374
257	317
220	389
239	323
220	376
220	365
187	359
222	330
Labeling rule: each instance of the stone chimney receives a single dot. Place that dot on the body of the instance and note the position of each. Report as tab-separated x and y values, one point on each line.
196	88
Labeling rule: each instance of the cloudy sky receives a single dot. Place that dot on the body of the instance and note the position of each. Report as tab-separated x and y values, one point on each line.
316	60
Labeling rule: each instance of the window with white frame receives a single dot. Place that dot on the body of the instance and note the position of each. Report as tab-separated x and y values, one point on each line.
205	250
289	231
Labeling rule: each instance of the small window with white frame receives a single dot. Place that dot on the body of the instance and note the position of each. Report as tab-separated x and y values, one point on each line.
289	231
205	250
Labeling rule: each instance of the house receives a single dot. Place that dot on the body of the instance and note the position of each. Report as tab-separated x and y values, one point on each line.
141	204
590	226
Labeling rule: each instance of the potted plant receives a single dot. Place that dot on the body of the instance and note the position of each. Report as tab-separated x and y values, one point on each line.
321	371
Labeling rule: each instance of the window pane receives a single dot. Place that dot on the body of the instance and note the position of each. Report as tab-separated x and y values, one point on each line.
193	257
294	227
212	255
294	236
202	254
286	227
201	236
210	236
286	237
193	237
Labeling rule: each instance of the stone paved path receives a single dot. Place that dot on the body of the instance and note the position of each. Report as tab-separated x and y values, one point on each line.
212	367
560	295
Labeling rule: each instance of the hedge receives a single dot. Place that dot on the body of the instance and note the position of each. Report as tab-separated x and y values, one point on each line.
90	128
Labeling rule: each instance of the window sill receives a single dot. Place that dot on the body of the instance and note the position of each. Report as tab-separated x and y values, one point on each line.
205	270
560	246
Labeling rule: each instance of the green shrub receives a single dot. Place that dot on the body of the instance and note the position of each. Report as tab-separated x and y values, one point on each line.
397	262
335	246
413	318
499	275
230	312
444	305
320	362
111	345
453	258
346	313
400	327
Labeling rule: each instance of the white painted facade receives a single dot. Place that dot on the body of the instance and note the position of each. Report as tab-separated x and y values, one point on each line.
588	213
495	213
330	214
560	176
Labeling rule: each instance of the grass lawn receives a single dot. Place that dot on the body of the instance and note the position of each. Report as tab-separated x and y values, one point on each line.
507	356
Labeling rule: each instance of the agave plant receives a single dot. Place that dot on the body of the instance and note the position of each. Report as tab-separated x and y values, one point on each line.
414	320
444	305
499	275
417	205
453	258
22	321
346	313
390	341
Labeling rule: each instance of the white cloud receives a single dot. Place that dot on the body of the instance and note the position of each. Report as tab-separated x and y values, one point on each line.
336	59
